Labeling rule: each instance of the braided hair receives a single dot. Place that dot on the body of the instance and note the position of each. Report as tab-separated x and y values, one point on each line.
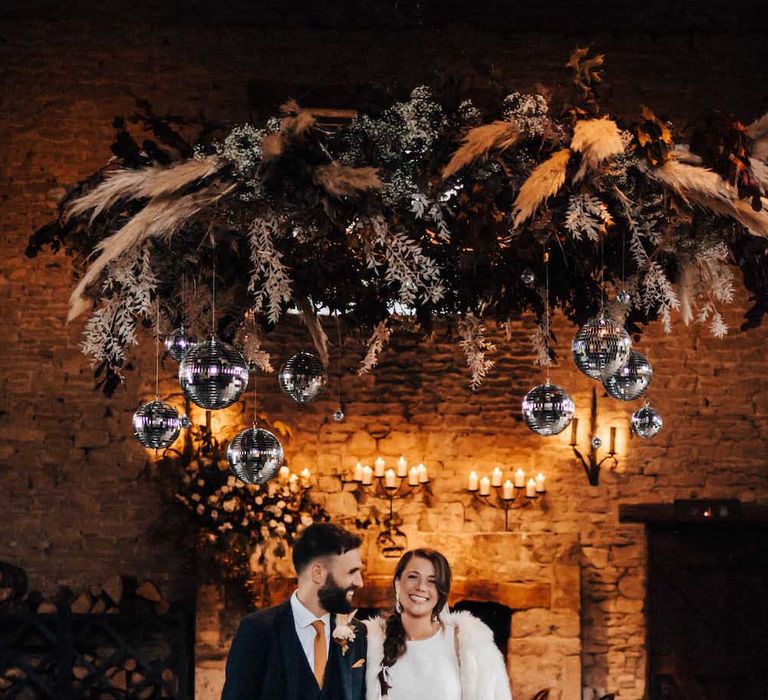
394	632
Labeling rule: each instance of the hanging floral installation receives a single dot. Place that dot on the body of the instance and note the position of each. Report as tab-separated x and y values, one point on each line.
426	209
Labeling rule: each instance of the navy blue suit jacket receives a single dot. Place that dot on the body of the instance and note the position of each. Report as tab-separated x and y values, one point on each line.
266	662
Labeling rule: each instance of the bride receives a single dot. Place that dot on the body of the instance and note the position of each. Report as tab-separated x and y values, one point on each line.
421	651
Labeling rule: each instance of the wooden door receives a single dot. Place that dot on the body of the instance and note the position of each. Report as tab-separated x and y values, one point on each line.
708	611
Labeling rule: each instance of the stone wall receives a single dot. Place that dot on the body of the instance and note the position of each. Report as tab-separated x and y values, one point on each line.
76	506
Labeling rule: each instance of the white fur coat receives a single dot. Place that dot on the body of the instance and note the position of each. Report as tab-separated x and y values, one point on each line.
481	665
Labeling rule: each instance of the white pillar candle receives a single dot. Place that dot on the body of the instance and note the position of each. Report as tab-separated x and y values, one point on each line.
423	474
508	492
367	475
519	479
530	488
540	488
413	477
389	478
496	477
358	473
473	481
378	467
402	467
283	474
305	475
485	486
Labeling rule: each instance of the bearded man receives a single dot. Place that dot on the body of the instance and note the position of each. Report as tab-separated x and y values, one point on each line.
290	652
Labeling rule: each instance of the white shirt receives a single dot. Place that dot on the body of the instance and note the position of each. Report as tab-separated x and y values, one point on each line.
428	669
303	619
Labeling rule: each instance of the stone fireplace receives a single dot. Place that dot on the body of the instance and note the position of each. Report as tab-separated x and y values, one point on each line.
535	576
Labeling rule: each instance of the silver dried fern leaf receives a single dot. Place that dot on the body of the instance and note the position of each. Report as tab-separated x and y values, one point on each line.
376	343
475	346
270	282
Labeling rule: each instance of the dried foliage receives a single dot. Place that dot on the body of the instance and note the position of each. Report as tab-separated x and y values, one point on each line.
419	211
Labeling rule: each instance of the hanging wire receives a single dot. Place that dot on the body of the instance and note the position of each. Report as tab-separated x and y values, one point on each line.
213	288
338	359
255	398
602	274
157	348
546	302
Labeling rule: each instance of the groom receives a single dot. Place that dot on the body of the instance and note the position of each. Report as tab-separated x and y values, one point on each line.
289	652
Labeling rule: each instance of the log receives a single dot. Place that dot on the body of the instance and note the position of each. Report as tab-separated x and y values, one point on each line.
149	591
80	672
119	680
5	683
113	589
81	605
16	673
46	608
137	678
130	664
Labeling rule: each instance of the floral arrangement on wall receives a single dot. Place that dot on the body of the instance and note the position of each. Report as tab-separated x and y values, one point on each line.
431	207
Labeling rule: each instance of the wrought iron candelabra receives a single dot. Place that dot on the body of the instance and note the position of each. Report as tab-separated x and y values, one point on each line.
508	495
389	485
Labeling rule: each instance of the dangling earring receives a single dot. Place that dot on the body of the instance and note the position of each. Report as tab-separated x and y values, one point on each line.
398	607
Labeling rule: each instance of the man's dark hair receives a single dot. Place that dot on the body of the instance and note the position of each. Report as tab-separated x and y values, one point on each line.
322	540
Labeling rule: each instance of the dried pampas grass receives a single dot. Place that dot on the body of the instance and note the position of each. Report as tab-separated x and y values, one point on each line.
478	142
707	189
344	181
143	183
163	216
685	291
596	140
758	132
543	182
294	125
316	330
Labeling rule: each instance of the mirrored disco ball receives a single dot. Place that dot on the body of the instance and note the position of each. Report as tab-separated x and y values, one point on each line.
631	381
255	455
302	377
646	422
547	409
178	342
601	347
157	424
213	374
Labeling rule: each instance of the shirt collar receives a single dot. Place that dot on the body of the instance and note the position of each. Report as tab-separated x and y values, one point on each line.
304	617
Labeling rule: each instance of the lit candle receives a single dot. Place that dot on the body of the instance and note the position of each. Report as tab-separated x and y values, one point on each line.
378	466
305	474
540	488
413	477
402	467
389	478
508	492
423	474
496	477
530	489
367	475
574	431
283	474
520	479
485	486
358	474
472	486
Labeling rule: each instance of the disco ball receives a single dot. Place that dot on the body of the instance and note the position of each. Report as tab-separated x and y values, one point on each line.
213	374
338	415
631	381
255	455
597	443
178	342
302	377
646	422
547	409
157	424
601	347
527	277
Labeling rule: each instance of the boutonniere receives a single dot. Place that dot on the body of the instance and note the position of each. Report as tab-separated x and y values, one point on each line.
343	632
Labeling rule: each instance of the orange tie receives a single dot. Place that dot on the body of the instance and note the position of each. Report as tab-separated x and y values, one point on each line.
321	651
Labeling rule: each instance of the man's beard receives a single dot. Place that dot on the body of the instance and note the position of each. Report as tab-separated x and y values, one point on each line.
333	597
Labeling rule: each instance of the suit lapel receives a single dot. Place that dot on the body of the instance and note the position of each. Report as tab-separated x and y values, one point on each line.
291	651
